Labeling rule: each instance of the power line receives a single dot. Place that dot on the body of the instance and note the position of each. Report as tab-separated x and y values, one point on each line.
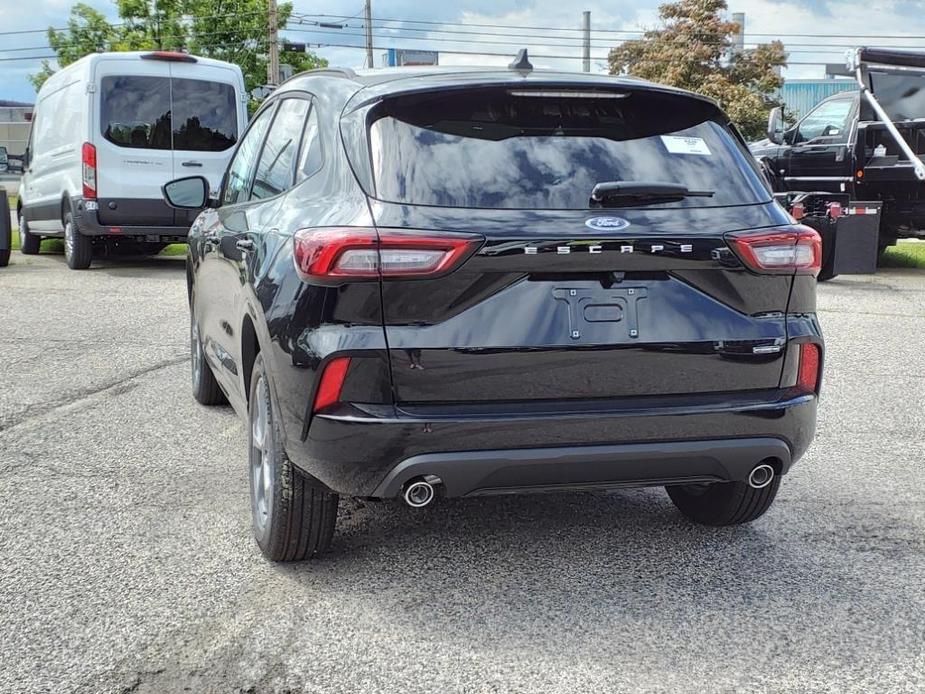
611	31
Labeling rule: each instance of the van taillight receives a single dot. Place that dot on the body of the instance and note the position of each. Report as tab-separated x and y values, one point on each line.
173	56
331	254
808	375
88	170
785	250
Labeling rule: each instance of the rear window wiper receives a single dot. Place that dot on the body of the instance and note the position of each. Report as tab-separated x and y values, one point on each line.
643	192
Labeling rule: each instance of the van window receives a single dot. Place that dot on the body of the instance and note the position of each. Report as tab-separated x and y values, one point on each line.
276	168
204	115
136	112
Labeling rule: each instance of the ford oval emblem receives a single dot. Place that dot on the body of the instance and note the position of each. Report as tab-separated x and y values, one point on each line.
607	223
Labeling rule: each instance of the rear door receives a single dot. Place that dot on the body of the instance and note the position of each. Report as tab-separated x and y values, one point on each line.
207	118
132	135
567	299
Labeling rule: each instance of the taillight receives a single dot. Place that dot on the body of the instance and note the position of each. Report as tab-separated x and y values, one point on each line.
344	253
808	375
331	384
171	56
796	248
88	170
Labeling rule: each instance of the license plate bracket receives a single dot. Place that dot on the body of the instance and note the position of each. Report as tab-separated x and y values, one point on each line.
594	308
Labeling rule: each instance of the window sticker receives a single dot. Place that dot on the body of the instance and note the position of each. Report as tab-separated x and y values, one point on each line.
675	144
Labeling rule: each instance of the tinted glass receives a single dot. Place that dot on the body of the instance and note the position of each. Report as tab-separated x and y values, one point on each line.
902	96
828	120
491	148
277	160
204	116
135	111
239	173
311	160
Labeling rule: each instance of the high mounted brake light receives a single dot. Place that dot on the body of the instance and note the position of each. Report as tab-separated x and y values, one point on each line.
174	56
355	253
88	170
781	251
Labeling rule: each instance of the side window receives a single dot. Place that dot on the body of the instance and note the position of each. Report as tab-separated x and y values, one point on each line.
827	120
239	173
310	160
277	160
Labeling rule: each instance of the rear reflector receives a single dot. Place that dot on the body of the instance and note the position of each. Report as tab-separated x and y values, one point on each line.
331	384
344	253
174	56
785	250
88	170
808	376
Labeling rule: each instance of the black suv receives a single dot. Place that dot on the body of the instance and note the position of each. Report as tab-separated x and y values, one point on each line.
442	283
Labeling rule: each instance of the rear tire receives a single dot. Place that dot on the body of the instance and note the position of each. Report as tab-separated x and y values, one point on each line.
293	520
78	249
723	503
29	243
205	388
5	257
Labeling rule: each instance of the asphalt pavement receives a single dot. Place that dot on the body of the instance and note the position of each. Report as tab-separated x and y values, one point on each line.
127	564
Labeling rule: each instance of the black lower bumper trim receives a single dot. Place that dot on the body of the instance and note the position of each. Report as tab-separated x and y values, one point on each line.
521	470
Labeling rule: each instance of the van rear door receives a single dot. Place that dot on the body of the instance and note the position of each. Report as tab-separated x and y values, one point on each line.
132	135
208	116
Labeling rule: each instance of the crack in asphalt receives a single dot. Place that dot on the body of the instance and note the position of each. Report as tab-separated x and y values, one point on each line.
24	417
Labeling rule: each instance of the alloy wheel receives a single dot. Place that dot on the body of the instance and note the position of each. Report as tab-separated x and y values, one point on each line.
262	458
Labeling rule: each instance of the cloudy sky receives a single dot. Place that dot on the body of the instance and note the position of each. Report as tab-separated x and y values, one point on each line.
802	24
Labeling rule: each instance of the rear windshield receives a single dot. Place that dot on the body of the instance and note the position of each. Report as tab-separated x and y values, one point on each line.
547	149
145	112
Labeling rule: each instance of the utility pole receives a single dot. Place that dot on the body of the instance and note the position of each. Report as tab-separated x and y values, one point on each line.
273	65
369	34
586	41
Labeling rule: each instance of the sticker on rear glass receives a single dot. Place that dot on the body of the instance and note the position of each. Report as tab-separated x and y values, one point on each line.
676	144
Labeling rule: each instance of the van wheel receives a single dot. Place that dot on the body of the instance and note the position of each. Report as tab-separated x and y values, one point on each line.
78	249
28	242
723	503
205	388
4	257
293	520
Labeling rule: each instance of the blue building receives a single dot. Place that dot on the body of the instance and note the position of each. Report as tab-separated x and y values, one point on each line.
799	96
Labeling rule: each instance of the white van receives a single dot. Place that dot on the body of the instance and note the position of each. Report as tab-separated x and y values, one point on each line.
108	131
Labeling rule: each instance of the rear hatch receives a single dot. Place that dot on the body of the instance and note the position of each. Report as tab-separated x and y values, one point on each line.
568	298
160	118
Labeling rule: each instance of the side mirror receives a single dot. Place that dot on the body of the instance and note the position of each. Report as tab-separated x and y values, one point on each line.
190	193
776	125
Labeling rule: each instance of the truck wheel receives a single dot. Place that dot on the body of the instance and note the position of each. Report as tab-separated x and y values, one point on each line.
293	520
28	243
4	257
723	503
78	249
205	388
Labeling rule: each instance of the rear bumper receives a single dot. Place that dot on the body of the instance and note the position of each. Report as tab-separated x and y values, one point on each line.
372	451
87	220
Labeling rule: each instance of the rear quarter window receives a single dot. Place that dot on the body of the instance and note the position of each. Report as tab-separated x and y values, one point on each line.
493	148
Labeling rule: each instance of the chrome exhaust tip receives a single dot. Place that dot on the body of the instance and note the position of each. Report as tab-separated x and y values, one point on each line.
761	476
419	493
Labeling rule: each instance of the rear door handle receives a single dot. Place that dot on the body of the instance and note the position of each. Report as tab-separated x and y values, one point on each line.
197	164
244	245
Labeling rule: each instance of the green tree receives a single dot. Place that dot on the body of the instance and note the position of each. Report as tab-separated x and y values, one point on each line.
231	30
693	50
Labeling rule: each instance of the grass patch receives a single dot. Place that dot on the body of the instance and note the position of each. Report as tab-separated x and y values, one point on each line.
174	249
904	254
48	245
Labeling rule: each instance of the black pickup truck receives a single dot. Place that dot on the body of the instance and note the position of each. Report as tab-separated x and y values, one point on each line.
859	146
